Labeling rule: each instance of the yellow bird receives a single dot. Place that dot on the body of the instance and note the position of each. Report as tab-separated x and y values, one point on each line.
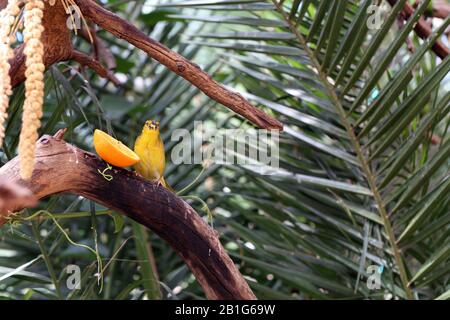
150	149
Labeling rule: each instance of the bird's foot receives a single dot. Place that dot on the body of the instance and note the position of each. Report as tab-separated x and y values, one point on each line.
160	183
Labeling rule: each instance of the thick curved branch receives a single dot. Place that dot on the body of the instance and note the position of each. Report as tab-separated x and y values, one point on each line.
61	167
423	30
175	62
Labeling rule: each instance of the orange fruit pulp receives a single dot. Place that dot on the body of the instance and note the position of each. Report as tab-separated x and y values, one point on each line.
113	151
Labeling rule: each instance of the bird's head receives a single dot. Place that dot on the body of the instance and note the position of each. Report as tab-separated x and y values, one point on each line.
152	125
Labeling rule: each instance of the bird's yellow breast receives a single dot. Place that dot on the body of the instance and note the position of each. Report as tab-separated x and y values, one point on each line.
150	148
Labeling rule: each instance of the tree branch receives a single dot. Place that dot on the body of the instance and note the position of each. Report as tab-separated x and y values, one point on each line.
95	65
100	48
441	9
61	167
423	30
175	62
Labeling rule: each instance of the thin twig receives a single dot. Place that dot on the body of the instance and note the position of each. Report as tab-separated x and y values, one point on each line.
95	65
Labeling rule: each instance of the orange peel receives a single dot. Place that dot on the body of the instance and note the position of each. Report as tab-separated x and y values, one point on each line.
113	151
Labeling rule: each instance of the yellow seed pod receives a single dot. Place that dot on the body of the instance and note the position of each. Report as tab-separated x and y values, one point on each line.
34	86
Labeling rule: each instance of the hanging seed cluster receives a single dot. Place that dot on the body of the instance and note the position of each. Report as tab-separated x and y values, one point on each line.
34	85
11	17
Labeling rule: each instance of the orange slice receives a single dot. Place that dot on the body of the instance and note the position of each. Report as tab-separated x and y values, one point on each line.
113	151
